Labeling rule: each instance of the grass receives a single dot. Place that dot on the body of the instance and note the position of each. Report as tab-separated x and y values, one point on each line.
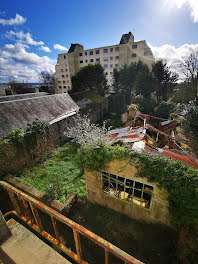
62	163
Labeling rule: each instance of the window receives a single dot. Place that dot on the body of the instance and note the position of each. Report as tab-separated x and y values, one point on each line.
111	49
116	57
91	60
133	55
85	53
62	70
97	52
105	65
111	58
126	189
68	86
98	60
91	52
63	76
60	87
67	75
80	54
111	65
64	87
81	61
116	65
67	81
117	49
105	58
63	81
64	56
134	46
66	70
86	61
59	81
105	50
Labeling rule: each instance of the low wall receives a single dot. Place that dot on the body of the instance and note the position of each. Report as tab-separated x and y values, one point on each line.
159	209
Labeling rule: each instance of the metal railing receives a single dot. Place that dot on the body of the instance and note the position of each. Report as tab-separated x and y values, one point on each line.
26	209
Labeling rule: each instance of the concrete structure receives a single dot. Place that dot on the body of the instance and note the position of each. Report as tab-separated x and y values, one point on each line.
118	187
25	247
4	230
110	57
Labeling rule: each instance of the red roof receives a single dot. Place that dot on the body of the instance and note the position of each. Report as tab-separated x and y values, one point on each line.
190	161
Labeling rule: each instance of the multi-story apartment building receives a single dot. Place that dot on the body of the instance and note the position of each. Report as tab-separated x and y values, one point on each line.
109	57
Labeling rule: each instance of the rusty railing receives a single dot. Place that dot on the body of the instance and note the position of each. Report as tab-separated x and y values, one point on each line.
25	208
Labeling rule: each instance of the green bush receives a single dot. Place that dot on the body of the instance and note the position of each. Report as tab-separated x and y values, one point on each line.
16	134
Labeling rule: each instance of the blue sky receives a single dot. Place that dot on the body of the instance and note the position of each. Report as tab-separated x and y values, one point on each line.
30	29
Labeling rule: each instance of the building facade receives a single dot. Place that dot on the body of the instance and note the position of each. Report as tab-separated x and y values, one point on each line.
110	57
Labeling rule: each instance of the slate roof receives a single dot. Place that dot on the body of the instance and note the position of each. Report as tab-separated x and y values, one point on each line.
51	108
20	96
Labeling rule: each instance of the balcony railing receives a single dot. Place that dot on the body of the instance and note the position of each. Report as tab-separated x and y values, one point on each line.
25	208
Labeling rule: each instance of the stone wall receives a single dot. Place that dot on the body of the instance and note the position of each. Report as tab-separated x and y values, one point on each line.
4	230
159	209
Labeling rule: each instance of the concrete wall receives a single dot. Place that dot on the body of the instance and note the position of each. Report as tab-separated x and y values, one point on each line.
4	230
159	209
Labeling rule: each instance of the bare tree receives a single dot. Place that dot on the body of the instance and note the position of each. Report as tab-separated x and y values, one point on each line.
49	81
189	68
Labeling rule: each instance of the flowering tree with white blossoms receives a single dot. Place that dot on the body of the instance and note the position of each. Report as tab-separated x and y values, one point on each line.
87	134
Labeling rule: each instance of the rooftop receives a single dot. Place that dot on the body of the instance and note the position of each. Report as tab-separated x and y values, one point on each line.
20	112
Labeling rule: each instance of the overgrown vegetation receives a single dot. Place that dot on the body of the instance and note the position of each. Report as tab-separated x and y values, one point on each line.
21	147
62	163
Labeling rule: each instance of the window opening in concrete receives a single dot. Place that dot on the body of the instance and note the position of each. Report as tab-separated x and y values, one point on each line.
126	189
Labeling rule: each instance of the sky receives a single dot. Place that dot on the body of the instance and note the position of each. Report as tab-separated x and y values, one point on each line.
33	33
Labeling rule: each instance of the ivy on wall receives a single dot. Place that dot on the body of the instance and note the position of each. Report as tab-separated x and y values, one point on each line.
181	181
20	146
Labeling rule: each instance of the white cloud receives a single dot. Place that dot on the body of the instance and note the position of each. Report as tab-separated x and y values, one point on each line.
16	62
192	5
172	55
60	47
24	37
18	20
44	48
